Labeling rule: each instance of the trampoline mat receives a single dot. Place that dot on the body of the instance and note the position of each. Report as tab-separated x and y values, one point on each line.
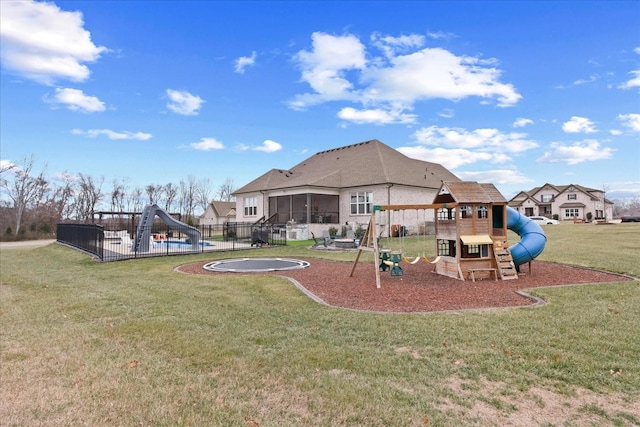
245	265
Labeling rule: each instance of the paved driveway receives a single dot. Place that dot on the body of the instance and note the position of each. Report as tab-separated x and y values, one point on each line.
25	244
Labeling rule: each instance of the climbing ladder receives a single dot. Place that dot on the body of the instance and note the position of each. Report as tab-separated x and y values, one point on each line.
141	243
504	260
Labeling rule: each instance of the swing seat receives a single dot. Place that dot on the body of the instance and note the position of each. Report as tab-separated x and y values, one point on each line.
415	261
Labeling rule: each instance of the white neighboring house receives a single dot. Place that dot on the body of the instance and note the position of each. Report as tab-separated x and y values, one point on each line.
568	202
340	186
217	213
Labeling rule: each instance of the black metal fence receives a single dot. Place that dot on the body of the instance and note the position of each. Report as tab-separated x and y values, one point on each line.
116	243
87	237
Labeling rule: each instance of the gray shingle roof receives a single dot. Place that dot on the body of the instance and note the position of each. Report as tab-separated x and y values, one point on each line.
362	164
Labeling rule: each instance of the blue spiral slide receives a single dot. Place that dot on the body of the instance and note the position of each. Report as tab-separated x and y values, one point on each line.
532	239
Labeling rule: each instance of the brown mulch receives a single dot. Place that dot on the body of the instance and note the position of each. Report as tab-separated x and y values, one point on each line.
419	289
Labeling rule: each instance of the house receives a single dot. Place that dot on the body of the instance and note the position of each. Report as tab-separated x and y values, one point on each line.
339	186
568	202
218	213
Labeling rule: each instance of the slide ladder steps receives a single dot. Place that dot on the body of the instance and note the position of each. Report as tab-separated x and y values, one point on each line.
504	261
143	223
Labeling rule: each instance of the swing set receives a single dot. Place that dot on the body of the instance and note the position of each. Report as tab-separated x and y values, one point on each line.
385	258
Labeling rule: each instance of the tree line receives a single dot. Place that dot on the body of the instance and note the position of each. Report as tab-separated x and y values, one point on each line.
31	204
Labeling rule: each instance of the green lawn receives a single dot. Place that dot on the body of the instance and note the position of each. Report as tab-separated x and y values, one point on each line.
134	343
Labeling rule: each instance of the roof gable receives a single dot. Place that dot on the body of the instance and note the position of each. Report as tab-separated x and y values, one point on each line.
468	192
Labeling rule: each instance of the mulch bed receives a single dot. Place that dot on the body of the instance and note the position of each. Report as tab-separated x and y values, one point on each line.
419	289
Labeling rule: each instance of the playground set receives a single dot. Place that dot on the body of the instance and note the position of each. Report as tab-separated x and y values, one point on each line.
471	223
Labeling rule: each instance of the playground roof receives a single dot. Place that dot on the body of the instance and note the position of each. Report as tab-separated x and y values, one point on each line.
469	192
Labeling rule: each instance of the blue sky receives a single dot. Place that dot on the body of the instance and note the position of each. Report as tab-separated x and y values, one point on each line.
514	93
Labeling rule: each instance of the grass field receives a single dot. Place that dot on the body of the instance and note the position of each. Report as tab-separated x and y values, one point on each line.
134	343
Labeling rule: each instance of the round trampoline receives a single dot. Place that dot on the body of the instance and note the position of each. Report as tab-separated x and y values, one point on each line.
246	265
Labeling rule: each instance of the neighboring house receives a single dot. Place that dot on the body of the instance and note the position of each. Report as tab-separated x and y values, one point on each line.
339	186
218	213
568	202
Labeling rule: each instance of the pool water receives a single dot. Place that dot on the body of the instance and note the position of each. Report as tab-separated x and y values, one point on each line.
179	244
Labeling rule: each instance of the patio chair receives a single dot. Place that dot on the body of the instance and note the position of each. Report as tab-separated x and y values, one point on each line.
327	238
317	242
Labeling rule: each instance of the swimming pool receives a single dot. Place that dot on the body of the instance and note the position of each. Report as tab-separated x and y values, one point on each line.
180	244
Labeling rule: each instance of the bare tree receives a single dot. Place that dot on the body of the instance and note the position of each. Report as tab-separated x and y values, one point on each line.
186	196
135	201
118	196
225	191
203	193
170	194
88	195
62	202
154	192
22	187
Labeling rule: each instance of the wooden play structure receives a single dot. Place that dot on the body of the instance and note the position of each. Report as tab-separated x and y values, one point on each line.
470	234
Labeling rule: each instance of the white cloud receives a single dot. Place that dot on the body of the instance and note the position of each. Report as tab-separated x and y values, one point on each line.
455	147
447	113
587	150
485	139
376	116
6	165
522	122
44	43
325	66
449	158
496	176
207	144
592	78
76	100
339	68
631	121
269	146
579	125
184	103
633	82
244	62
94	133
391	46
438	73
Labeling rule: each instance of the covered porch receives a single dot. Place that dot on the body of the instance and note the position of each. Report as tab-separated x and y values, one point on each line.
307	208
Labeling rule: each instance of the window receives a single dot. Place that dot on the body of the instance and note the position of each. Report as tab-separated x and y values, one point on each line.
571	212
250	206
465	211
447	247
475	251
546	198
446	214
572	196
481	211
361	203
